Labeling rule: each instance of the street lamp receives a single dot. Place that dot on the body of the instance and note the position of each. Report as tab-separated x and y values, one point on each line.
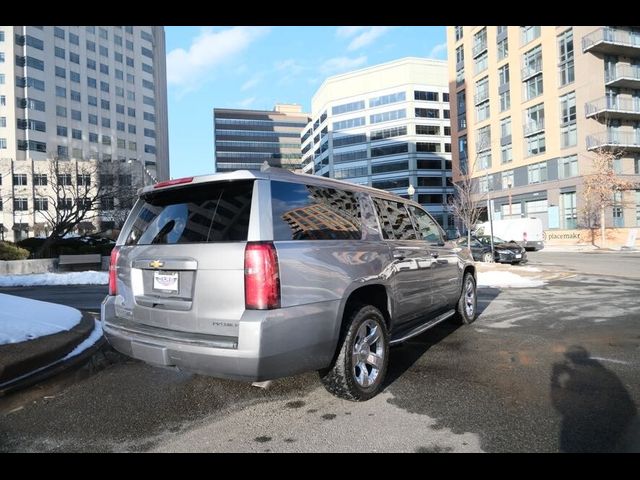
509	187
411	191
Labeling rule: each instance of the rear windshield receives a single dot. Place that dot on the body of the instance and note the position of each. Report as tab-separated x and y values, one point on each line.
204	213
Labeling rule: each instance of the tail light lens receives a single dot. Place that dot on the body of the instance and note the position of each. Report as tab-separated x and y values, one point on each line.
261	276
113	261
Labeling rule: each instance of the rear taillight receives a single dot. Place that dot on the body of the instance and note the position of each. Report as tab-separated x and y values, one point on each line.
261	276
177	181
113	288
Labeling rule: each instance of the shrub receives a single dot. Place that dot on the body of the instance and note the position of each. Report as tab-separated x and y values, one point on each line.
9	251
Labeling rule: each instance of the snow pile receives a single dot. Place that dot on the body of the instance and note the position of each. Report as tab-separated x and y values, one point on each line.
88	342
25	319
90	277
502	279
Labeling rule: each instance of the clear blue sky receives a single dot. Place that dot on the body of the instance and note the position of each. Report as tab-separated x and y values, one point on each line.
256	67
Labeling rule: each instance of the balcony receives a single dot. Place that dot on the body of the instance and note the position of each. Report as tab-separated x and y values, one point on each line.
612	41
533	126
478	49
481	96
531	69
623	76
623	108
629	141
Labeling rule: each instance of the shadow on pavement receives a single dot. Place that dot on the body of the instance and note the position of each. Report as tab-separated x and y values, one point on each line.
403	356
598	413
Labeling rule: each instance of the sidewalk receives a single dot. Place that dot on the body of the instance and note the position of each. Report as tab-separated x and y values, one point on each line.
585	248
24	362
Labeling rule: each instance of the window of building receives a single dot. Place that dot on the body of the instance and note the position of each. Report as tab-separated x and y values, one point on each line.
347	107
503	48
389	167
480	63
428	147
505	100
20	179
507	179
74	39
39	179
482	111
534	119
76	134
528	34
76	115
458	32
483	138
74	58
618	210
536	144
63	152
350	123
387	116
460	57
427	113
379	134
84	180
565	58
62	131
479	42
427	130
506	154
484	160
58	32
537	172
75	96
64	179
427	96
568	167
389	150
20	204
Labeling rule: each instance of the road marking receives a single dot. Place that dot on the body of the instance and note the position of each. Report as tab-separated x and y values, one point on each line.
610	360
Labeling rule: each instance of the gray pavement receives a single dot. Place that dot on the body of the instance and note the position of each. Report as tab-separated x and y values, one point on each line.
549	369
625	264
82	297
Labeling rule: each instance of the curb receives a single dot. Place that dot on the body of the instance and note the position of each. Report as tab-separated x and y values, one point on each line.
41	363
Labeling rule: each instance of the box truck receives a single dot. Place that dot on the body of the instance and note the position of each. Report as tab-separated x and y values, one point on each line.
524	231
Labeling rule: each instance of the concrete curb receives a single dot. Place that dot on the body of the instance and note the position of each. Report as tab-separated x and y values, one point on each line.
25	363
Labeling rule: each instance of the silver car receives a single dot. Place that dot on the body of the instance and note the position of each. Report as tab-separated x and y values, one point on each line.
260	275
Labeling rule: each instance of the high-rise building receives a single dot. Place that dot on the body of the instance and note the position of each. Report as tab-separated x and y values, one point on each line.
531	106
83	95
386	126
245	139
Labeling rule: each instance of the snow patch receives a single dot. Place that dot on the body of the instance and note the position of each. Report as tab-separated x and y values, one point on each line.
88	342
90	277
496	278
24	319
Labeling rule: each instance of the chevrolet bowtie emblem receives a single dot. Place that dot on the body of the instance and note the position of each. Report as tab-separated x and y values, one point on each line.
156	264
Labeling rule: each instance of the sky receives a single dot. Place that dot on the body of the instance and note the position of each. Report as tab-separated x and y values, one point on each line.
257	67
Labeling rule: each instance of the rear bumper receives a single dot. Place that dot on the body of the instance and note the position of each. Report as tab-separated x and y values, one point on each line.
270	343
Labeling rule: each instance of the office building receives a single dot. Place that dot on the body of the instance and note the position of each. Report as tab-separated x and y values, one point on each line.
531	105
245	139
386	126
84	95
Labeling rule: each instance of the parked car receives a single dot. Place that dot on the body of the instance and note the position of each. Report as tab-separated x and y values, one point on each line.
504	252
259	275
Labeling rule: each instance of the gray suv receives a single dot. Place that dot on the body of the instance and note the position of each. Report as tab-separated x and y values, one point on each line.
260	275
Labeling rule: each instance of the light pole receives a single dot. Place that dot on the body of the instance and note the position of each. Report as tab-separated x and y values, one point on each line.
410	191
490	214
509	187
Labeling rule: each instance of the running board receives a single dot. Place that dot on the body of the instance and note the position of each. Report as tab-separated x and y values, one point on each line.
418	330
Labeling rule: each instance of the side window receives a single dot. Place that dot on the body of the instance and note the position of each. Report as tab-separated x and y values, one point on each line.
428	229
394	220
307	212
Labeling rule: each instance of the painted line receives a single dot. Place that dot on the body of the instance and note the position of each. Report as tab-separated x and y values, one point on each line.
609	360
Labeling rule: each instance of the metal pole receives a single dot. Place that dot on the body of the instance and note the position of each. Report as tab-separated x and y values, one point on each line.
490	214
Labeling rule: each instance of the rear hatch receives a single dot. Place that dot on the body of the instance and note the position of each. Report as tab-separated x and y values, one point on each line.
181	263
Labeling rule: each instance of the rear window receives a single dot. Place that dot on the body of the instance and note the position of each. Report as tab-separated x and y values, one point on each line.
204	213
307	212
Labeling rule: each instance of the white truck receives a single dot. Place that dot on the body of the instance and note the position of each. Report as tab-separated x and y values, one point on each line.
524	231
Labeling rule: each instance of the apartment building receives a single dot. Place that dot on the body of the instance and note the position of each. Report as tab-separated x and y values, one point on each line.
386	126
531	105
245	139
94	97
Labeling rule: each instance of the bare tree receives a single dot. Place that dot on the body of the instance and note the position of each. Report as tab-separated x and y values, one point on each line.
466	204
600	188
77	193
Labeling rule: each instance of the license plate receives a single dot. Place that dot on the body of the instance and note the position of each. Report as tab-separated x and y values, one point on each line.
165	281
518	255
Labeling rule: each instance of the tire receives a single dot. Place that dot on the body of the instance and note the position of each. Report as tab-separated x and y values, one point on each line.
467	308
488	257
353	382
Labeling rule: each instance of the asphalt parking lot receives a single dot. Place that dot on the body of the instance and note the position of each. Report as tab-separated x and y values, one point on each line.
547	369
